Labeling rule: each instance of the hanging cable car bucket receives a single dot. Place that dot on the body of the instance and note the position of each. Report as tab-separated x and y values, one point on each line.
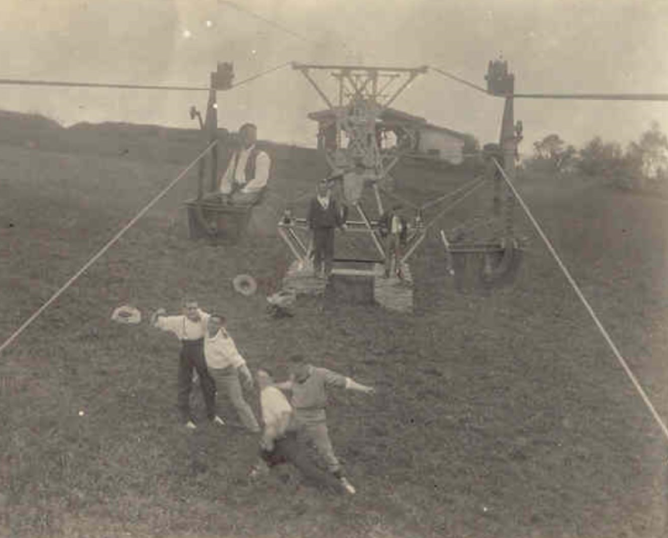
482	265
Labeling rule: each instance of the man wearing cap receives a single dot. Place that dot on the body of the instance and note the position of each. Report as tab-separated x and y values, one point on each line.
308	385
247	173
225	364
279	442
190	329
323	217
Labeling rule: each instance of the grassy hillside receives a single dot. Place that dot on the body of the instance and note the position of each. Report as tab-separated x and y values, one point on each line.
497	415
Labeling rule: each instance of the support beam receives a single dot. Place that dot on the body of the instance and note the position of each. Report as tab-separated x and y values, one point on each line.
367	223
412	248
448	254
282	233
211	125
508	144
379	201
297	240
317	88
422	69
401	88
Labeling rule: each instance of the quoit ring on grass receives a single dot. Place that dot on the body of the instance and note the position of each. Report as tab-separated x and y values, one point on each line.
126	314
245	285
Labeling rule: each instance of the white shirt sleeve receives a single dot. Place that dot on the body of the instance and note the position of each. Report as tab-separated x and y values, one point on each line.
262	166
173	324
228	177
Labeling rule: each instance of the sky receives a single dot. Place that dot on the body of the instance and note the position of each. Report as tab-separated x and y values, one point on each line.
550	45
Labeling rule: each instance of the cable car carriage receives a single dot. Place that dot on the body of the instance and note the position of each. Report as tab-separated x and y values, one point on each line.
212	215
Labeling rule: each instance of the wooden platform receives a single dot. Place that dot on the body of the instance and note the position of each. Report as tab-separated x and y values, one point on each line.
301	279
391	293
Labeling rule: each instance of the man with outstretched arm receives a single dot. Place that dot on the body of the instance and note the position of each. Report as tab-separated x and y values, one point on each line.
279	442
225	364
190	328
309	398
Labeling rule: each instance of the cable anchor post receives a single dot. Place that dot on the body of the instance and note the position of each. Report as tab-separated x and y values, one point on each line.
502	83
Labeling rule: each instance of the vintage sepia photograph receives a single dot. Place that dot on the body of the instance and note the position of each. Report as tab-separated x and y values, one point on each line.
334	269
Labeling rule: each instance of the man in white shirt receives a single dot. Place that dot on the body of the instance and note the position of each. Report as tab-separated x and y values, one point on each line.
190	328
279	440
247	173
225	364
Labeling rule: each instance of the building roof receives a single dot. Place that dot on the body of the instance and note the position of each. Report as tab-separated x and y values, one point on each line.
392	115
455	134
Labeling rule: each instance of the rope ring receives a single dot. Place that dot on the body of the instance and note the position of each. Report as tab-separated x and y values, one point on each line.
126	314
245	285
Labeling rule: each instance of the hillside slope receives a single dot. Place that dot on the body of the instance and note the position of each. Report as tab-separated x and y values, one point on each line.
497	415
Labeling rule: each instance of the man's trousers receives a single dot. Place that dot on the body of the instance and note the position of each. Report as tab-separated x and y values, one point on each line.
312	427
323	249
392	253
192	358
288	450
228	380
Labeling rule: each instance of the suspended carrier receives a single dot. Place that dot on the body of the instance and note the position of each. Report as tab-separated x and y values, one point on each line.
209	217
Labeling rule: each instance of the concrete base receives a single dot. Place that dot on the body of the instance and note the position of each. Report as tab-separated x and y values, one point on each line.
352	283
357	283
394	293
300	278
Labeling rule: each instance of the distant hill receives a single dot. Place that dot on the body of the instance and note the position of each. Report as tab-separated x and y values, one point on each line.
127	140
19	120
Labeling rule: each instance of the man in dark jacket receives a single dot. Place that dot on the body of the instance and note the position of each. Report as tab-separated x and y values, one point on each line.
324	216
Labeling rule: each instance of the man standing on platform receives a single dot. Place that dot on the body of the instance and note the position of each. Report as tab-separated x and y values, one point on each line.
394	229
190	329
324	216
247	173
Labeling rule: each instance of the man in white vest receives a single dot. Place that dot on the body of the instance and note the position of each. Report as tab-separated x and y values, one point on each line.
247	173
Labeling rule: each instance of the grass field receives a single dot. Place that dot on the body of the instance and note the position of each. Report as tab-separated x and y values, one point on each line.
497	415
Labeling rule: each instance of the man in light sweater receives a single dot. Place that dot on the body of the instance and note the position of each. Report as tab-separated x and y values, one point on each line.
225	364
247	173
308	385
190	329
279	442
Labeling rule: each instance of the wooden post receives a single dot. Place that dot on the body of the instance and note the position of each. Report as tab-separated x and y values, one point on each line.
379	201
508	145
212	130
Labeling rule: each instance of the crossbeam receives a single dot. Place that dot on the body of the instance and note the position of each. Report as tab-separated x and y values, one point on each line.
421	69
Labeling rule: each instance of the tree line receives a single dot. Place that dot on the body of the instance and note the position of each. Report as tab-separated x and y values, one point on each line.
641	166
